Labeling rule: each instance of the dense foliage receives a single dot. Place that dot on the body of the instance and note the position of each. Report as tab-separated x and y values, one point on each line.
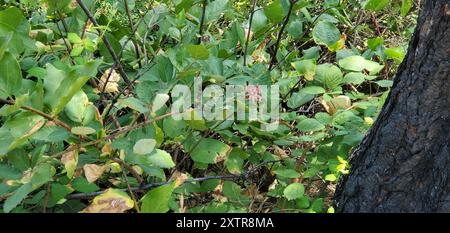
86	118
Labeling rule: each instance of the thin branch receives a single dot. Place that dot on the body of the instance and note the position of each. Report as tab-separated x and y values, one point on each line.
280	34
107	43
243	176
202	21
130	22
118	132
249	31
43	114
130	169
149	186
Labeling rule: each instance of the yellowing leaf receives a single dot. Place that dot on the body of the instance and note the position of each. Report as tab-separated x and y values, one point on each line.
70	160
339	102
112	201
112	86
93	171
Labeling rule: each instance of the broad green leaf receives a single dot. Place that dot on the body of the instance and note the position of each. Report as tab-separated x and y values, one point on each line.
294	191
13	21
157	199
17	197
235	162
198	52
10	75
329	75
82	130
17	130
310	125
307	68
144	146
275	12
134	104
79	109
287	173
70	85
80	184
74	38
358	63
210	151
9	173
161	159
385	83
112	201
326	33
406	7
396	53
299	98
312	90
376	5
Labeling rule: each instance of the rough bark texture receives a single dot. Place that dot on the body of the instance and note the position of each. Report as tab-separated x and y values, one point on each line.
403	164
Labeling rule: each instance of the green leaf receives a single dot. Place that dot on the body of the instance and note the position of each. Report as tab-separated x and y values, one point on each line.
312	90
275	12
406	7
287	173
385	83
358	63
79	109
210	151
80	184
310	125
157	200
299	98
294	191
259	21
17	130
396	53
74	38
329	75
306	68
375	42
198	52
161	159
326	33
68	85
235	162
13	21
144	146
82	130
10	75
17	197
9	173
134	104
376	5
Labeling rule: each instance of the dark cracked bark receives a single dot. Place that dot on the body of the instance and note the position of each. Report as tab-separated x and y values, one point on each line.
403	164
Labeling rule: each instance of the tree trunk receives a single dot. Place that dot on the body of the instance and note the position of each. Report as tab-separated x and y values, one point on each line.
403	164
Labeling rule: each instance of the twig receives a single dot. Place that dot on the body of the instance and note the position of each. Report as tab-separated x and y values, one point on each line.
130	22
244	175
43	114
130	169
249	31
107	43
116	133
202	21
136	206
280	34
